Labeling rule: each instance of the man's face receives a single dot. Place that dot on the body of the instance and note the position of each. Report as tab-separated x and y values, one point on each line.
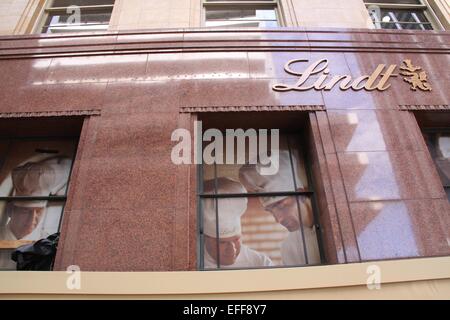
229	249
285	213
24	220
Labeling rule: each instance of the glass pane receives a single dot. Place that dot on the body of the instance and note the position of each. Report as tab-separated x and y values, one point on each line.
253	234
447	190
241	14
75	28
406	26
394	1
410	16
25	221
439	146
240	23
415	26
67	3
85	18
276	176
237	0
393	16
37	168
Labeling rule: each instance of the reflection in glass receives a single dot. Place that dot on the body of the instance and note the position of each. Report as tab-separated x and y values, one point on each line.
394	1
237	0
67	3
241	14
89	21
400	19
241	18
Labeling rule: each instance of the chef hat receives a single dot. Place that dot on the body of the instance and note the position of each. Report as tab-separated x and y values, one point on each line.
444	146
230	209
250	175
40	179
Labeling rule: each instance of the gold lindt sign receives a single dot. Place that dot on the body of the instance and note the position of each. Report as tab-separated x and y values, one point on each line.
378	80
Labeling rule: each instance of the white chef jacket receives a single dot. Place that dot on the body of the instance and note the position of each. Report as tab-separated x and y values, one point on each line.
247	258
5	254
292	251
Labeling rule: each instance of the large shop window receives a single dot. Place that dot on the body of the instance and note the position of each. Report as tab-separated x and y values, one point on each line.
34	175
253	13
438	142
253	220
62	16
401	14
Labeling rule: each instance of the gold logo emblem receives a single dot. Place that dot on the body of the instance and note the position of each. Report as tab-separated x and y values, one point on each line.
415	77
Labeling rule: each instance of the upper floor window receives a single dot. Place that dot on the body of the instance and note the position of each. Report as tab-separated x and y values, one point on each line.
76	15
438	142
248	13
401	14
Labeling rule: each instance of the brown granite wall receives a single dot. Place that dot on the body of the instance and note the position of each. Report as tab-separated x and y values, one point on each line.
131	209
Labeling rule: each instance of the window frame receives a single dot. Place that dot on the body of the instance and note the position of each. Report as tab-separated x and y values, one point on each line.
60	199
424	7
310	193
270	4
48	9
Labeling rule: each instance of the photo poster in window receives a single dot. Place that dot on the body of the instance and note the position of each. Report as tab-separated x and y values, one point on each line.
32	168
259	231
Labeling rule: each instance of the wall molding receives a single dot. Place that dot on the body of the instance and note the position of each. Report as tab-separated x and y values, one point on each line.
418	107
243	39
185	284
253	108
40	114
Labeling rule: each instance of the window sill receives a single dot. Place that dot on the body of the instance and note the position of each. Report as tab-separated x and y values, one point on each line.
410	278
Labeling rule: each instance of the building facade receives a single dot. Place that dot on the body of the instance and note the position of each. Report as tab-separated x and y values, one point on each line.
96	97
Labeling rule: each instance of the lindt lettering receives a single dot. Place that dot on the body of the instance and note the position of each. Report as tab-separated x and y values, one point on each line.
378	80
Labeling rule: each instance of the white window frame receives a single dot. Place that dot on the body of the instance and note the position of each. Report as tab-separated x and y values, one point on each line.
48	9
273	4
424	6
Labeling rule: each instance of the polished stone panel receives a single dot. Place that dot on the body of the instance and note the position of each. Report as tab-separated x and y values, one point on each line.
389	175
131	209
399	229
372	130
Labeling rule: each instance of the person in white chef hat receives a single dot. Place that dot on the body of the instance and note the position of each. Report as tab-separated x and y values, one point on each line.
231	252
38	178
285	209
